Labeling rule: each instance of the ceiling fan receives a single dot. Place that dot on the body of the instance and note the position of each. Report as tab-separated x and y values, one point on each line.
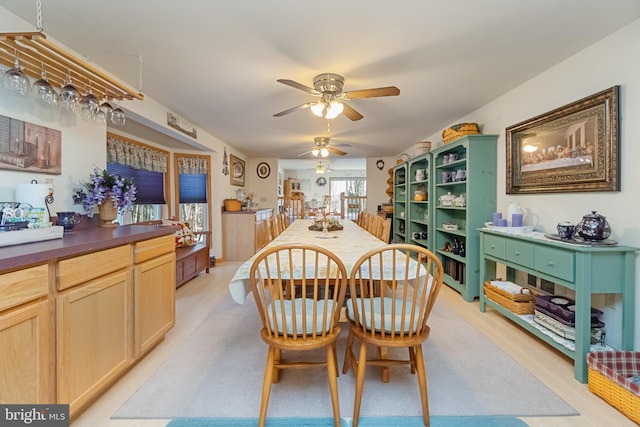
322	148
328	87
321	167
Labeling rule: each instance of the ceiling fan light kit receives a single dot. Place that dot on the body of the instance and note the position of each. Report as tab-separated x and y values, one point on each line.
329	86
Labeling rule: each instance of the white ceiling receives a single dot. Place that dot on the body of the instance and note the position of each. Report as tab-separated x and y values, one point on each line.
215	63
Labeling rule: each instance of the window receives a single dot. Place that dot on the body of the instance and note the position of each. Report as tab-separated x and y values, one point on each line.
149	194
355	193
193	190
148	167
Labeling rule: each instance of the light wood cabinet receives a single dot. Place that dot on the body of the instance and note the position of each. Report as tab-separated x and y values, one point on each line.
153	292
25	337
75	318
292	187
241	237
93	337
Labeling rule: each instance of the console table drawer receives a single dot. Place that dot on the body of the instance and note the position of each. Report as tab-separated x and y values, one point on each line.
494	246
556	262
519	252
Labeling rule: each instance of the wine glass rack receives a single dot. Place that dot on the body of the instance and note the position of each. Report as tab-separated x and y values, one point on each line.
35	53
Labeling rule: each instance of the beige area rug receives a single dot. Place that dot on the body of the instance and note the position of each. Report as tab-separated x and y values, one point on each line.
217	371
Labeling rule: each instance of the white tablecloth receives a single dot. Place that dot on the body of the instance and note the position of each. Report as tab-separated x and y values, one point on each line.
348	244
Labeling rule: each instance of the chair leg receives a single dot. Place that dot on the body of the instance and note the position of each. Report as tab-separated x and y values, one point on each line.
422	384
348	353
332	373
362	362
277	356
266	387
382	354
335	359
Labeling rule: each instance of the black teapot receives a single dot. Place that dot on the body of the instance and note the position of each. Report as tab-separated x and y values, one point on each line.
593	226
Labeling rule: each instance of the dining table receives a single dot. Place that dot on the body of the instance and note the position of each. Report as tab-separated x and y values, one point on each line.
349	244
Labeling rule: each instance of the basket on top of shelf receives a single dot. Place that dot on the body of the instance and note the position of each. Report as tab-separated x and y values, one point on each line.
461	129
514	298
614	376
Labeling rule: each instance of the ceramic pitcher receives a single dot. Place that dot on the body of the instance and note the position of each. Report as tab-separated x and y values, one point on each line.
515	208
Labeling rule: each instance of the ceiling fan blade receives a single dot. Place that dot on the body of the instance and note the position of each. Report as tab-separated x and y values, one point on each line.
299	86
336	151
291	110
304	154
351	113
372	93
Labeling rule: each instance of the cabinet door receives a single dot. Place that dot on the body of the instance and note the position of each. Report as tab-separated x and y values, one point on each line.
25	353
154	310
93	337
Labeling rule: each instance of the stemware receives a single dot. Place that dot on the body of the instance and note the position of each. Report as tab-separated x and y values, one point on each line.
44	93
15	81
118	117
69	96
89	105
104	112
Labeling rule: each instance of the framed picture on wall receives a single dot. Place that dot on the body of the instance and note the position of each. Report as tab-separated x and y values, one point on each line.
263	170
28	147
237	171
572	148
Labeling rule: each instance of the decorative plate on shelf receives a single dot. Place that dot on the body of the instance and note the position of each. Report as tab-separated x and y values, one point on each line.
321	181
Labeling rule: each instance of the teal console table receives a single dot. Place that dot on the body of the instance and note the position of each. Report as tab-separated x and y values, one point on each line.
585	269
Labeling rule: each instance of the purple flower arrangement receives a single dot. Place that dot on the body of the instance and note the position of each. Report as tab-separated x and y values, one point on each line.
103	185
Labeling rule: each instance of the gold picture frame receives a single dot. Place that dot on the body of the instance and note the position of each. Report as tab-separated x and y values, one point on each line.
570	149
237	171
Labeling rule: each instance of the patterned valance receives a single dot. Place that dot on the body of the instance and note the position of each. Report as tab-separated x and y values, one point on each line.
192	165
136	156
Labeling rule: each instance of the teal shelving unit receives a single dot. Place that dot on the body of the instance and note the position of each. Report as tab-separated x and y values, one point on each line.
476	156
418	177
400	188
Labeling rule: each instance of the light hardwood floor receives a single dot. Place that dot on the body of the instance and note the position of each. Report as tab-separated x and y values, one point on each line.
196	298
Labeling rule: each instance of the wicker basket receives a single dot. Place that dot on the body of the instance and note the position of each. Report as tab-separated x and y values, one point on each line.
516	303
607	373
461	129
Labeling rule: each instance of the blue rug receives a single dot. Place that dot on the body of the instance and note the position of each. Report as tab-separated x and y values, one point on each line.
435	421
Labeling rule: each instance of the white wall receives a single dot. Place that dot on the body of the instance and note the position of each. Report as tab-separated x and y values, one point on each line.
605	64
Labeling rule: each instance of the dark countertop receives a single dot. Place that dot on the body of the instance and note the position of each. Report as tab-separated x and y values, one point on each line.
78	241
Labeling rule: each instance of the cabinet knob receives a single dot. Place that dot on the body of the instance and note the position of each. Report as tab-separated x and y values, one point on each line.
517	253
550	263
493	246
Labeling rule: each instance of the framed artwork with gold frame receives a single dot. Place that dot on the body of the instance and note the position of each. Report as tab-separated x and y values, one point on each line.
570	149
237	171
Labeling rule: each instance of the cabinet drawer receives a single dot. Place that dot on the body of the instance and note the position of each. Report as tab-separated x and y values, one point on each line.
556	262
21	286
519	252
152	248
80	269
494	246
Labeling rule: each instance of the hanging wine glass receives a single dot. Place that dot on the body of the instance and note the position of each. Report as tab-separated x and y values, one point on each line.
44	93
89	106
69	96
15	81
118	117
104	111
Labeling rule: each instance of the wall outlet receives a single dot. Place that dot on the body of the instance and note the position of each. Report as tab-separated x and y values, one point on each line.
610	300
